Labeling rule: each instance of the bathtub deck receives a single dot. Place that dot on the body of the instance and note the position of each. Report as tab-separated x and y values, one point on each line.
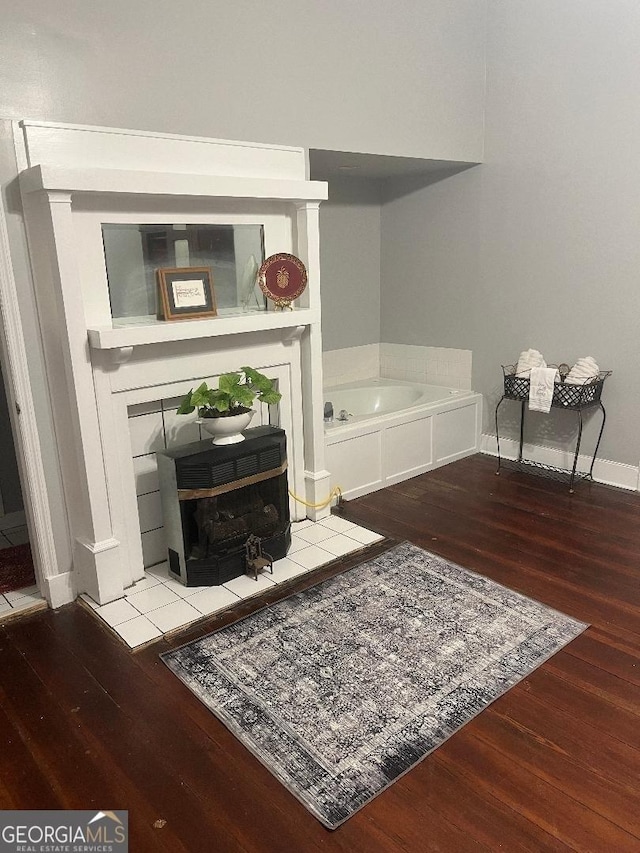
551	766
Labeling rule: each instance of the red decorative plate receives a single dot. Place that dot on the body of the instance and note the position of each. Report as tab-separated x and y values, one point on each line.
283	278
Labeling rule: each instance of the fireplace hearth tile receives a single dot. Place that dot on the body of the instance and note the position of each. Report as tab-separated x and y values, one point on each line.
160	570
137	631
300	525
165	605
315	534
182	590
364	536
151	599
297	542
341	545
285	569
340	525
173	616
311	557
117	612
212	599
245	587
147	582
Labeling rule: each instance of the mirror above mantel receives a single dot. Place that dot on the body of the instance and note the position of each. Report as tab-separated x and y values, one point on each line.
135	251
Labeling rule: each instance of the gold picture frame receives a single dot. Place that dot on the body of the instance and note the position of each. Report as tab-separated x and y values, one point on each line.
186	293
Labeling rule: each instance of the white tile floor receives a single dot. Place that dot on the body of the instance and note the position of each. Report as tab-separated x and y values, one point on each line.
158	604
14	536
19	601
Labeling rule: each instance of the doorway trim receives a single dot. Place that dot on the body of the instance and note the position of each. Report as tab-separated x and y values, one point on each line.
22	414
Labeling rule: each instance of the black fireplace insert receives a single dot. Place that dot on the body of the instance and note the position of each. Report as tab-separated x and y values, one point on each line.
215	497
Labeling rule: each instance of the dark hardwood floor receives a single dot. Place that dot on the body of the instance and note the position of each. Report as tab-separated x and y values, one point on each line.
552	765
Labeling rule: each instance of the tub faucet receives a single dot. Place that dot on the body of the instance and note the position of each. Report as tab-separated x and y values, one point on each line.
328	412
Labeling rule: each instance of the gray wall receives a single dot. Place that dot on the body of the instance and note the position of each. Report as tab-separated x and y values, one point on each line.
540	245
350	264
406	78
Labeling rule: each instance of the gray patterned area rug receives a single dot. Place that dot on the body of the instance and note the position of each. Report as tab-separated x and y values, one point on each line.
342	688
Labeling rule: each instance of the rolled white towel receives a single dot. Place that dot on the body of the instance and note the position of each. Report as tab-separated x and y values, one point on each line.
587	359
528	359
586	362
584	370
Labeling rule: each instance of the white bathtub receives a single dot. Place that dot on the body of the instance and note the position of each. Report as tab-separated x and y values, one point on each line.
396	430
383	396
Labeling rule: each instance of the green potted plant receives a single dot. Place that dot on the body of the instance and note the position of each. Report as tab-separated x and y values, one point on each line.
226	410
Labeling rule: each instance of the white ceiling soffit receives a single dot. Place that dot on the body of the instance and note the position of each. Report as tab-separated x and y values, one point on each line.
325	165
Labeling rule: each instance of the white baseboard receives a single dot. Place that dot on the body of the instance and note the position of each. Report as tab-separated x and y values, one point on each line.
604	471
60	589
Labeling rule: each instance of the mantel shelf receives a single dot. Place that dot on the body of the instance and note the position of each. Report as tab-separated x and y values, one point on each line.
108	337
55	179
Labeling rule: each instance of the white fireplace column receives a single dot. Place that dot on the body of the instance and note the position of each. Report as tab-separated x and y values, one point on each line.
317	478
94	547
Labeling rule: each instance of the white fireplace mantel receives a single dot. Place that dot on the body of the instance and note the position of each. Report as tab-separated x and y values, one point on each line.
74	178
113	181
108	337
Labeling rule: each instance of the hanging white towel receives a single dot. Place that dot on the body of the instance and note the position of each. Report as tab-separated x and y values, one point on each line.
541	388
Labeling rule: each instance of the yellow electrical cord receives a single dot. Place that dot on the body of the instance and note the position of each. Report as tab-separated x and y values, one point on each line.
336	491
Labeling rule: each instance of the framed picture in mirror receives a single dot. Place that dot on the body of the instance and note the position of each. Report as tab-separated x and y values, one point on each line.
186	293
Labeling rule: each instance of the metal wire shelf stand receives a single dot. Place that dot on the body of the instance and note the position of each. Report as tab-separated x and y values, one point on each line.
567	396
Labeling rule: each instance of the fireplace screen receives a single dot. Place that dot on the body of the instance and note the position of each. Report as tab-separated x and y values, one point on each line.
215	497
219	524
